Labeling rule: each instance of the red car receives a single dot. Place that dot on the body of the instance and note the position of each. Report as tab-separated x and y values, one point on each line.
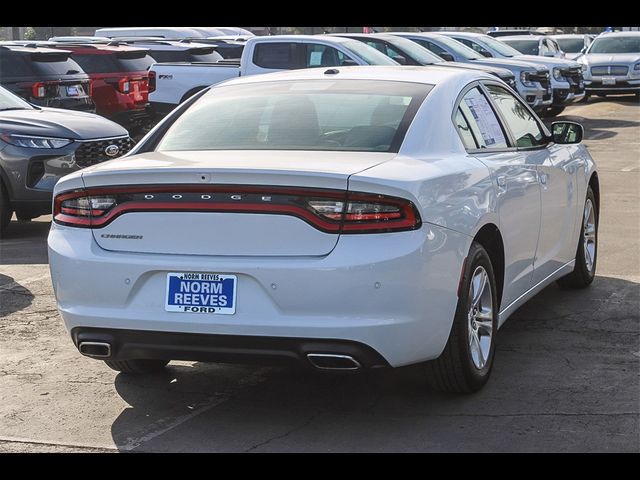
119	80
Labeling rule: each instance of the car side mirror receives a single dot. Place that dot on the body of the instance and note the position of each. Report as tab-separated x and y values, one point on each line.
566	133
484	53
446	56
400	59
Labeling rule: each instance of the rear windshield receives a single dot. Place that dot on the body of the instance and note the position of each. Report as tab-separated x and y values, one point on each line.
338	115
571	45
112	63
630	44
19	64
528	47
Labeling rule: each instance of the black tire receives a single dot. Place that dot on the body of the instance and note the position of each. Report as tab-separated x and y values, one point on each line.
137	366
554	111
5	210
454	371
582	276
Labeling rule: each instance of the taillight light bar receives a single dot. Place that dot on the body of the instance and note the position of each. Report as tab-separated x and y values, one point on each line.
330	211
39	90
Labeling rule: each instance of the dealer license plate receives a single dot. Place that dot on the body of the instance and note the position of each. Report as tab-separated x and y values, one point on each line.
212	293
608	81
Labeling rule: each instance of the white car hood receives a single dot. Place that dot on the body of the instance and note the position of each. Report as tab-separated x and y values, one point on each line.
612	58
549	61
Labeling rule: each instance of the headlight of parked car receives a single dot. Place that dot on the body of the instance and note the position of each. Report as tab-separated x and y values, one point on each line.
557	74
524	78
636	67
29	141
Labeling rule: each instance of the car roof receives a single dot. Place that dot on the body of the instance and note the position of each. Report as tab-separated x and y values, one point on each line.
620	34
568	35
31	49
291	38
100	47
449	33
523	37
430	75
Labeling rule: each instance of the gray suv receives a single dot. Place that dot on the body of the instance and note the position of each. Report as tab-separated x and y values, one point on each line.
40	145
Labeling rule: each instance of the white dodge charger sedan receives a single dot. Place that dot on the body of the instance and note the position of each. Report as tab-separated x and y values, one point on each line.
346	218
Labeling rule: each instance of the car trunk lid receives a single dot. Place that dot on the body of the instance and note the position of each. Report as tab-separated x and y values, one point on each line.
241	203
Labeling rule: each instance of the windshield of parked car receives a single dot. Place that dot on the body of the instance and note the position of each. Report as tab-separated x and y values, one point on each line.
368	54
617	44
500	47
9	101
415	51
523	45
332	115
459	48
571	44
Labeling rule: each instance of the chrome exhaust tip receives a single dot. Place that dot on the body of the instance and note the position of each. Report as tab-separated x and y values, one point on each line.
95	349
331	361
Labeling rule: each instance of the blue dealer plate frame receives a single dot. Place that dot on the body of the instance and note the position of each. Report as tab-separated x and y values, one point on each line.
201	292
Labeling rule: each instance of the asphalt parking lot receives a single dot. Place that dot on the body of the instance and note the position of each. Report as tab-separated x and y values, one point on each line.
566	377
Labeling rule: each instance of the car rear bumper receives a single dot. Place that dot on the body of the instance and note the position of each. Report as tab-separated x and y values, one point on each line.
396	293
133	344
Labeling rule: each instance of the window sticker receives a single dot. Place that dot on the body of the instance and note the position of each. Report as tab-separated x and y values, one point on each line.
484	116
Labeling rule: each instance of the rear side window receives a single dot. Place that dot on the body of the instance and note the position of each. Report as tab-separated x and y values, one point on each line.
275	55
319	55
526	130
465	131
482	120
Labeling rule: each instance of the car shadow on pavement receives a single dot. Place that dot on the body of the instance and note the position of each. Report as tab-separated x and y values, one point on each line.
25	243
563	353
13	297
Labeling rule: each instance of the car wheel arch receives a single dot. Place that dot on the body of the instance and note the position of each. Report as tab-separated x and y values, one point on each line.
594	183
192	92
490	238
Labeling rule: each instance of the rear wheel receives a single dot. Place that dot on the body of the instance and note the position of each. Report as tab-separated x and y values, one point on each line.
5	209
467	359
137	366
584	270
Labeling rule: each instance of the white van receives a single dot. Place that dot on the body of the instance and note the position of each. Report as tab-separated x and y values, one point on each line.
172	33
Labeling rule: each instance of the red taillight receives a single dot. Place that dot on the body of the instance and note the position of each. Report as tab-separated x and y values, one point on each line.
38	90
124	85
152	81
331	211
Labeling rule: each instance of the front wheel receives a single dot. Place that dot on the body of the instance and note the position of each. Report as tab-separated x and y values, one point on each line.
584	270
465	364
137	366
